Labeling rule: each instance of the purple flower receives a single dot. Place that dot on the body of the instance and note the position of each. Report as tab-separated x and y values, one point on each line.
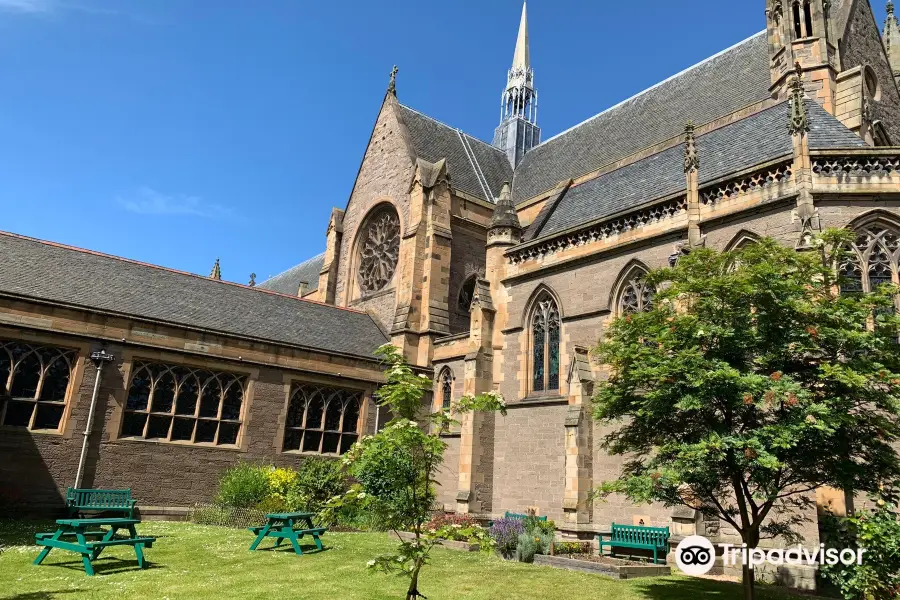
506	533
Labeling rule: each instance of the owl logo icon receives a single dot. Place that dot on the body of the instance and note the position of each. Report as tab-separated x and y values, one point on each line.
695	555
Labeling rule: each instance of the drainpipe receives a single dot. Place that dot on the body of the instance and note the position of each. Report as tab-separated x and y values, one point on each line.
99	359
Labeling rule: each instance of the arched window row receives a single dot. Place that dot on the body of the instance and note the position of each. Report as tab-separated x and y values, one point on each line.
446	387
181	404
321	419
803	19
33	384
545	336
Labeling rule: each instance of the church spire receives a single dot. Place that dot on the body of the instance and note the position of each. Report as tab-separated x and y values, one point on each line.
521	58
891	38
518	131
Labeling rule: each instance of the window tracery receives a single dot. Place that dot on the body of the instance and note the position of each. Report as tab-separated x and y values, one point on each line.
33	384
446	381
545	332
379	250
636	295
321	419
182	404
874	260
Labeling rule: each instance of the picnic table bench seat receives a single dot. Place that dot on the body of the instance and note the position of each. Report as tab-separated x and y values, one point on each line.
85	532
655	539
288	526
79	500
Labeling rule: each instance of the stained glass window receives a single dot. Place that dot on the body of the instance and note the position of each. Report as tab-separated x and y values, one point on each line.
446	388
874	260
182	404
545	338
34	381
321	419
636	296
379	250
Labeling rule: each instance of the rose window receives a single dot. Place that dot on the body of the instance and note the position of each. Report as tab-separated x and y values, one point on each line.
379	250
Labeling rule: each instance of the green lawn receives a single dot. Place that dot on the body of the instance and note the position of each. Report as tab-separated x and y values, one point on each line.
197	563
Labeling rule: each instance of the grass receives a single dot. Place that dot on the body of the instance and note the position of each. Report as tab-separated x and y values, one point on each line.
198	562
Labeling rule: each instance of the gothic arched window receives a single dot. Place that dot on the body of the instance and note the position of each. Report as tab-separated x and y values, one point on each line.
321	419
33	384
446	382
636	295
545	325
798	21
466	293
379	249
182	404
874	260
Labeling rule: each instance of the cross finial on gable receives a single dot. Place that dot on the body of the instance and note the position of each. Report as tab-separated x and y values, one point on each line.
392	86
252	280
216	272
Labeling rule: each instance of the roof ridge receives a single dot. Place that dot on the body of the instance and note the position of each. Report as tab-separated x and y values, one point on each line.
170	270
651	88
297	266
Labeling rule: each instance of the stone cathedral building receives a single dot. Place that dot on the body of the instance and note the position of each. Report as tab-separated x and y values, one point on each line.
492	265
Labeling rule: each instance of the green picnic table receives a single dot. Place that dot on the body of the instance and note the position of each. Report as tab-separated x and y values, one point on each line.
91	539
288	526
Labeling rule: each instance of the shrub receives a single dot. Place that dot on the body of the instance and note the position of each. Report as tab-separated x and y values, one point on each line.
534	525
572	547
317	481
531	543
878	531
243	486
505	533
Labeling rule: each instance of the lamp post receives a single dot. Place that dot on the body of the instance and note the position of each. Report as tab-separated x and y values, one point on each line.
99	358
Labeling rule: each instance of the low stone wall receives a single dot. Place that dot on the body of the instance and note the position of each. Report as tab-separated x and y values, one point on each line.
610	569
406	536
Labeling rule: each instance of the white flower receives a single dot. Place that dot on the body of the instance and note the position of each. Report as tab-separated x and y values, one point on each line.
370	564
361	495
423	376
456	526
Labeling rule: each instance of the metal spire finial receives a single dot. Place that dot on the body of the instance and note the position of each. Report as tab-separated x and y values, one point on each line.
392	86
216	272
252	280
522	56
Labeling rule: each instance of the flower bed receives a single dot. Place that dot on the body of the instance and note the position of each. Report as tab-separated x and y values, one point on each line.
462	546
603	565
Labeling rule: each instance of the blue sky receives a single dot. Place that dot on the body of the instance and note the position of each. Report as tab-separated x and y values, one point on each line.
178	131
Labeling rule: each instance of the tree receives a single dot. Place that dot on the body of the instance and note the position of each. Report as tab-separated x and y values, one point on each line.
396	467
750	383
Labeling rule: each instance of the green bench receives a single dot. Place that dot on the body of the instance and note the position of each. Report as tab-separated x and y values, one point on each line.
635	536
115	501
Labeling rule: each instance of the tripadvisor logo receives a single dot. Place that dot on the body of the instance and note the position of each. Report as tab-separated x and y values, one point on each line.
696	555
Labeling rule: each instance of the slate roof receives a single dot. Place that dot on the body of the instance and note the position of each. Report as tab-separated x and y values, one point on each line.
753	140
718	86
71	276
289	281
475	167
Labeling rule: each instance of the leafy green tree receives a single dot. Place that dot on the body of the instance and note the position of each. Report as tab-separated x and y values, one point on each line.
750	383
396	467
878	532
